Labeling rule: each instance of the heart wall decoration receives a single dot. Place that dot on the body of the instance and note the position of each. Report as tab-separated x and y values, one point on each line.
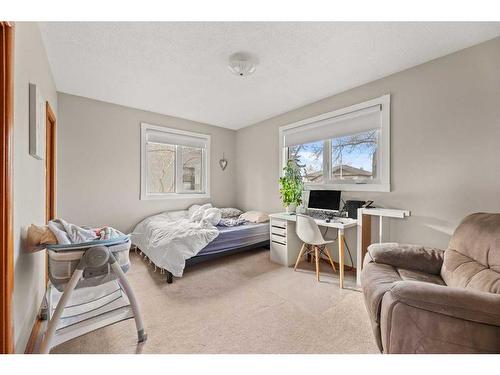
223	162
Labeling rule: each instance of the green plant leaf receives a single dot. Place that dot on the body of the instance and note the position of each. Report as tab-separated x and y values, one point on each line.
291	185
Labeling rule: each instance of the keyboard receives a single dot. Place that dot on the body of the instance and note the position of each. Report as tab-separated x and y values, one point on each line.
322	215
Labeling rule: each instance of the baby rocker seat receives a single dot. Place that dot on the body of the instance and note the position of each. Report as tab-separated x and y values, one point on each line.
88	290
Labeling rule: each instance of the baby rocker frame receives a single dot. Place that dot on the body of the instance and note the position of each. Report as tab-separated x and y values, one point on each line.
97	294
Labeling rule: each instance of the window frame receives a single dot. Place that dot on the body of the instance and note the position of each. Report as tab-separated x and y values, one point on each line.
179	193
382	183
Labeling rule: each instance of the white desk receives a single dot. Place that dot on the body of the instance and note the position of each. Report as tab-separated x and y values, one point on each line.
285	245
364	238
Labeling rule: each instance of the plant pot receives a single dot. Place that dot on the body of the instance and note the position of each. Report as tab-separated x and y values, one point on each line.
291	209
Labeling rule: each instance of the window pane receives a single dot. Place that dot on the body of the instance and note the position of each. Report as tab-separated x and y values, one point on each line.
191	169
309	157
161	168
354	157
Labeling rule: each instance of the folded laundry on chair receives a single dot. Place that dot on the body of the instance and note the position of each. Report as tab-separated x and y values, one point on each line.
63	233
40	235
67	233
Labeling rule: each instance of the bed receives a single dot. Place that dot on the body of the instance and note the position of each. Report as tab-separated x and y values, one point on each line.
173	240
231	240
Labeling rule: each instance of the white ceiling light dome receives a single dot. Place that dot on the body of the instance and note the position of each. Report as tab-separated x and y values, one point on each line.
242	64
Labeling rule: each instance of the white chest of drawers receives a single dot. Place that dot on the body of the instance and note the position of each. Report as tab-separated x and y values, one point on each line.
285	245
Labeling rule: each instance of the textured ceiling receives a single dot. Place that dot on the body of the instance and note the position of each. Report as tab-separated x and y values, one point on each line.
180	69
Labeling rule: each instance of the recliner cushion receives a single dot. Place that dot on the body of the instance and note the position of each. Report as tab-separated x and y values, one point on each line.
415	257
379	278
463	272
478	237
412	275
472	259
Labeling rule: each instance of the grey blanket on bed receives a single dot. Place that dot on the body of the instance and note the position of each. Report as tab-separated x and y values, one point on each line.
231	222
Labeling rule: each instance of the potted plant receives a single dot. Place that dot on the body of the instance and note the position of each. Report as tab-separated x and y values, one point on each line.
291	186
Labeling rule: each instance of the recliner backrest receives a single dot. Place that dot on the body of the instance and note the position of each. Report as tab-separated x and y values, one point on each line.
472	259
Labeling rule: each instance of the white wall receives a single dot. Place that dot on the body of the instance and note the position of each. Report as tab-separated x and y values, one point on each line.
30	65
98	181
445	132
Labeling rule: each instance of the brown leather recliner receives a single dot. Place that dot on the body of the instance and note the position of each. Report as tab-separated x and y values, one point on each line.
427	300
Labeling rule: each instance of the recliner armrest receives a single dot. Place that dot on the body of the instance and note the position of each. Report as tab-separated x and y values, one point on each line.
466	304
415	257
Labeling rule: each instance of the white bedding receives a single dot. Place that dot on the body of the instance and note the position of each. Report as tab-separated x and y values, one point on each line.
169	238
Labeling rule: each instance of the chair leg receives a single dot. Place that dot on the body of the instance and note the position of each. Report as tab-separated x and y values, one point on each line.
327	252
300	255
316	255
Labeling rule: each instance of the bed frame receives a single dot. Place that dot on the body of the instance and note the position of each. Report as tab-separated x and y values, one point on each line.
202	258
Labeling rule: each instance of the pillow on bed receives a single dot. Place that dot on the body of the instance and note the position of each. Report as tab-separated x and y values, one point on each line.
255	216
196	211
231	222
229	212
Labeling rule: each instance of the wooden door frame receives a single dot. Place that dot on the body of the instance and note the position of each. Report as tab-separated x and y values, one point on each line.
50	173
50	163
6	206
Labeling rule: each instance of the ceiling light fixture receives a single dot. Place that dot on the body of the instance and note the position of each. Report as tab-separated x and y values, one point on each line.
242	64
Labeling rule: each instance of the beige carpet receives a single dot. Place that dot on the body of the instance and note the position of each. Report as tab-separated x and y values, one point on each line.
238	304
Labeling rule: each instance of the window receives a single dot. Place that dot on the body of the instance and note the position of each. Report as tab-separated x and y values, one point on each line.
160	168
309	157
191	169
354	157
174	163
348	149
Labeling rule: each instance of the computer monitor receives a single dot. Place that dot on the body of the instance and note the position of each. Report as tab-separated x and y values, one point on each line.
326	200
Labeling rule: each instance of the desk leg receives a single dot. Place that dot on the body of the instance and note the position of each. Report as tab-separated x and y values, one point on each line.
364	240
341	258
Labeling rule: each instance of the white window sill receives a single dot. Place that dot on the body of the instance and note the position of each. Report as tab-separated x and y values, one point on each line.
174	196
350	187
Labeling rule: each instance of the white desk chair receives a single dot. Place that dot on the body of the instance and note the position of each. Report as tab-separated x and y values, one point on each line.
314	243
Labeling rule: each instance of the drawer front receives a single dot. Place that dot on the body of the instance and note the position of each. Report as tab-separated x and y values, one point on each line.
278	231
279	239
279	253
278	223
